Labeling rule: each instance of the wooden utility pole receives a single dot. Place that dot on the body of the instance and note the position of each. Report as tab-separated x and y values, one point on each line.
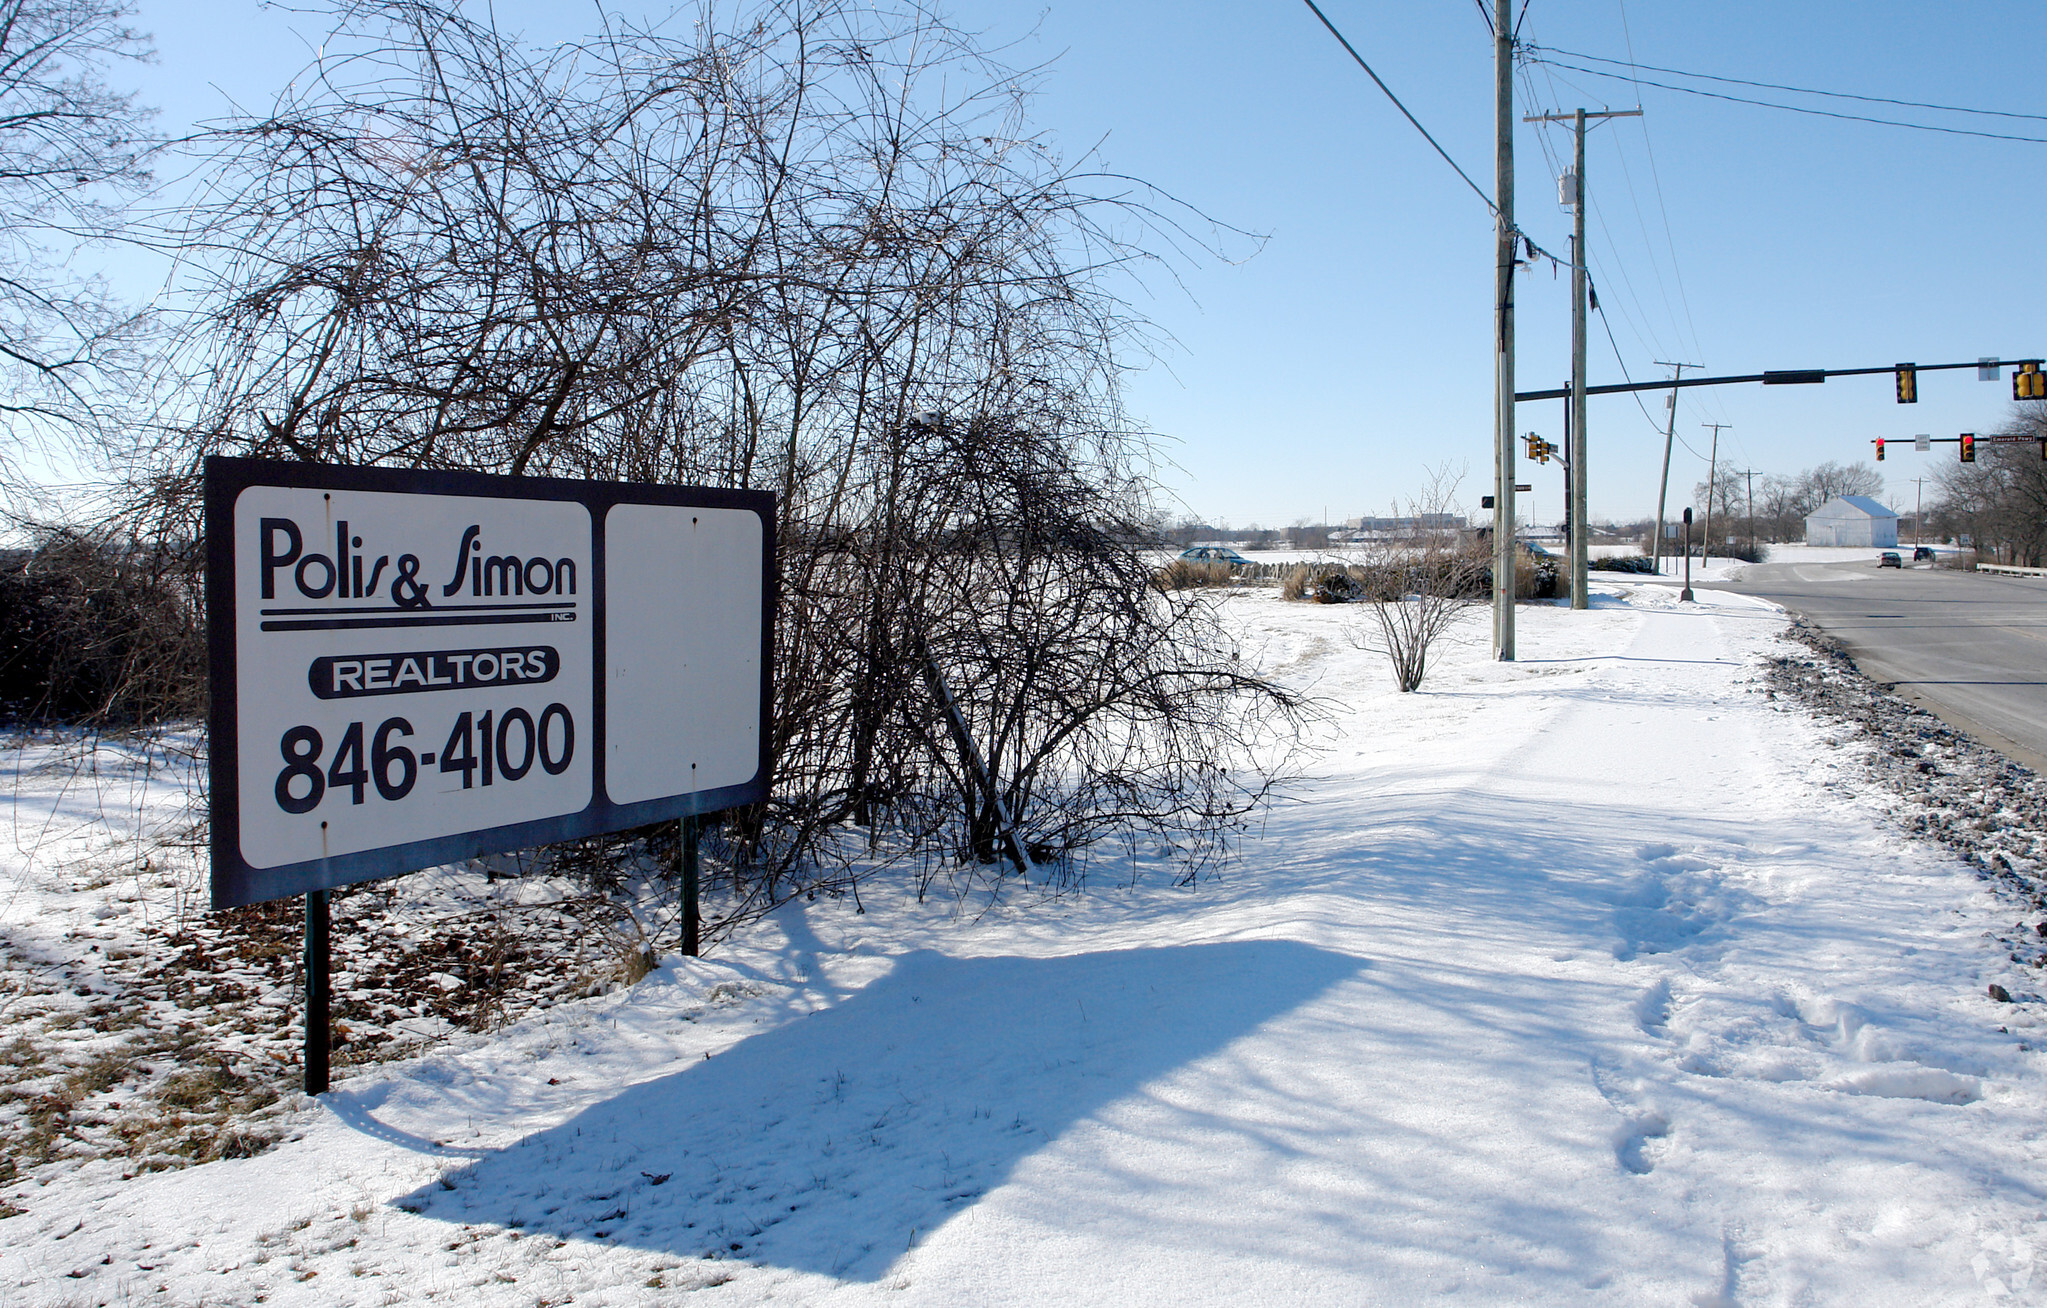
1581	528
1504	237
1712	483
1574	439
1750	475
1669	434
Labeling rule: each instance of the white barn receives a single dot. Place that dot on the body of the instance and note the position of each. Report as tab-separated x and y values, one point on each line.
1855	520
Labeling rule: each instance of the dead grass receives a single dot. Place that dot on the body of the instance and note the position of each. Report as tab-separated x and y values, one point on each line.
1189	574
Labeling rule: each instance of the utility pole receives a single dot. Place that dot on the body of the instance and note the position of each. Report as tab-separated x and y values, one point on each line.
1574	435
1504	237
1750	474
1712	484
1918	502
1669	434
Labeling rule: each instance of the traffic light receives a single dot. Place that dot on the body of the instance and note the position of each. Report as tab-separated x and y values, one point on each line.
1908	383
1968	447
2028	382
1539	449
1879	449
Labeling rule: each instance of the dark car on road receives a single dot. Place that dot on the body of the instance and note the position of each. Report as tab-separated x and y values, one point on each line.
1213	554
1922	553
1889	559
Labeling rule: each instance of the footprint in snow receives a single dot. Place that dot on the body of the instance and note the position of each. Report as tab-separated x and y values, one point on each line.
1636	1139
1675	901
1652	1007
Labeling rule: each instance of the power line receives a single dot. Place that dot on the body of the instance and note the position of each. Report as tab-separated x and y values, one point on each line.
1663	210
1401	107
1535	51
1618	359
1799	109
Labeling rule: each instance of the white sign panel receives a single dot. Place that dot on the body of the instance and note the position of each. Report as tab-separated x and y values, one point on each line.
406	665
672	723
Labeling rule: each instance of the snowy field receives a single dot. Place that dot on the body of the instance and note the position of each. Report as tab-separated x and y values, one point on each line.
1597	978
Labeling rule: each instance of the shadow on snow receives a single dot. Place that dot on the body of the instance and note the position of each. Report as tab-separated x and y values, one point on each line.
834	1142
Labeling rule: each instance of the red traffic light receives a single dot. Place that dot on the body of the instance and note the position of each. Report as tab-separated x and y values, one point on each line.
1879	449
1968	447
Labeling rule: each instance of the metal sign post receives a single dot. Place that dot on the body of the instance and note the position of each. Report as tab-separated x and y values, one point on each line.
319	1025
1685	595
692	836
417	668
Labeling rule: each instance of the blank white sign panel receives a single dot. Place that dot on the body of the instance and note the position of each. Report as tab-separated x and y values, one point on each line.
682	662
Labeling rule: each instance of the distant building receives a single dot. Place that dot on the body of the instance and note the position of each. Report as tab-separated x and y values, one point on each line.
1853	520
1409	526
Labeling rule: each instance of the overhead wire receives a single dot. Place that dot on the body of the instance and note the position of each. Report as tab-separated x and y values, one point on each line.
1352	50
1662	208
1535	52
1528	242
1639	320
1804	109
1622	361
1712	402
1708	401
1641	330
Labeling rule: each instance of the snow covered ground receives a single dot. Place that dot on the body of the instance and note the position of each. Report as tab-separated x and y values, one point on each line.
1593	978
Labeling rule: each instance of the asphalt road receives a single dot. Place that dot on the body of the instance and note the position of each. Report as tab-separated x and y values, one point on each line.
1969	646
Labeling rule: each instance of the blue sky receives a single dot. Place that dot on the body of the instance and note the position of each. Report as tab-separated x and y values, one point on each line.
1324	373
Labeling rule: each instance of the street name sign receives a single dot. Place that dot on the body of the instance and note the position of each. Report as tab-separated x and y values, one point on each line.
410	668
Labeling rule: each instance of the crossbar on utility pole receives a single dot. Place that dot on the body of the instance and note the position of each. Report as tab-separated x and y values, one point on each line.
1574	438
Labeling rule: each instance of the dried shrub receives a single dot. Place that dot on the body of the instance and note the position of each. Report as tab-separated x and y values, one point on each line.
102	630
1186	574
1424	584
1629	563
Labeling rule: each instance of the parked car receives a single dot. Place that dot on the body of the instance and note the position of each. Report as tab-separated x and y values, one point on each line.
1922	553
1889	559
1213	554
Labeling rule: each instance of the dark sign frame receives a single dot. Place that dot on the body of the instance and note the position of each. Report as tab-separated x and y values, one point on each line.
235	883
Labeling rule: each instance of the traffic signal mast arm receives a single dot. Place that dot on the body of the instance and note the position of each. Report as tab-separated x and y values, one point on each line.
1969	440
1787	377
1957	440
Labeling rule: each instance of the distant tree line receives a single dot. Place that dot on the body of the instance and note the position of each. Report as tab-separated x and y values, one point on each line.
1999	502
1771	507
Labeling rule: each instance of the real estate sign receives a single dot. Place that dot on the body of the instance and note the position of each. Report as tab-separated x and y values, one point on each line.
414	667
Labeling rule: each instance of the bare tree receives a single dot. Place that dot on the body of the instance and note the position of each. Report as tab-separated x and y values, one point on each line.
1818	485
817	252
2000	501
1428	579
72	151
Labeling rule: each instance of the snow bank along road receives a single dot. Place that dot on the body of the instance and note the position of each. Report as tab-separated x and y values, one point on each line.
1588	979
